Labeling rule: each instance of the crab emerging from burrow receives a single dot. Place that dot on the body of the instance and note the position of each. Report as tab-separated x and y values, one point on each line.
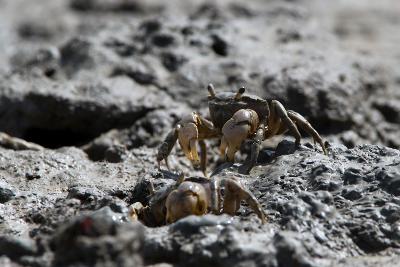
235	117
195	196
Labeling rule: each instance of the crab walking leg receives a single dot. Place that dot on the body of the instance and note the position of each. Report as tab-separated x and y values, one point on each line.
306	126
165	148
222	147
230	197
235	193
203	157
215	196
255	150
278	109
232	149
251	200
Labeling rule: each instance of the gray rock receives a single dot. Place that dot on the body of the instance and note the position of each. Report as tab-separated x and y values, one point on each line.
99	238
193	224
6	194
14	247
55	115
290	251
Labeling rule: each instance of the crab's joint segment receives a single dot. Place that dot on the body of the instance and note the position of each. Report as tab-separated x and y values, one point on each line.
239	94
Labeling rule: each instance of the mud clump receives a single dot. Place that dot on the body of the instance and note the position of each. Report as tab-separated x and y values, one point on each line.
100	238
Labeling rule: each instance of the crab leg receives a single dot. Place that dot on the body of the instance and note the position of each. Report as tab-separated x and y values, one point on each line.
165	148
277	109
255	150
203	157
215	196
306	126
234	193
222	147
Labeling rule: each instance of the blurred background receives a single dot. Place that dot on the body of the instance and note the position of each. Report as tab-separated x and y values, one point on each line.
85	72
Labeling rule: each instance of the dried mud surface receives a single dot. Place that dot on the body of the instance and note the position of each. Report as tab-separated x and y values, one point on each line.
99	83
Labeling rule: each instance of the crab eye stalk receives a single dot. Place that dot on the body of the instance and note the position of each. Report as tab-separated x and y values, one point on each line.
211	90
239	94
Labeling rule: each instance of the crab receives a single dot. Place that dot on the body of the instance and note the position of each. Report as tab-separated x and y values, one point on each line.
235	117
195	196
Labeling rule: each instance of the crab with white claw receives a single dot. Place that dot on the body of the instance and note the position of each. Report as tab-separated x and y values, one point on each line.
195	196
235	117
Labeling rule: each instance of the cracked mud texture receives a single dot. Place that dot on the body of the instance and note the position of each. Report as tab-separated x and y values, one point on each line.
99	83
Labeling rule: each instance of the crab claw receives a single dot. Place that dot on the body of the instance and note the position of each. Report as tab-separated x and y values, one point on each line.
241	126
134	210
188	199
188	134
